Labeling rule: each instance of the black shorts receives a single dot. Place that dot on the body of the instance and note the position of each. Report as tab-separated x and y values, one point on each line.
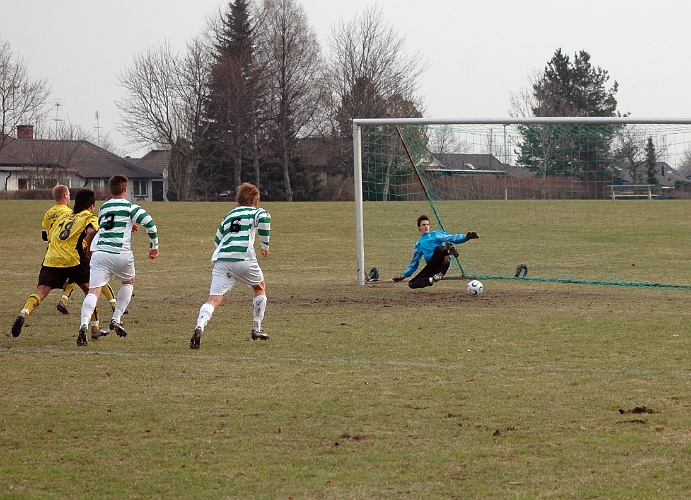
82	268
56	277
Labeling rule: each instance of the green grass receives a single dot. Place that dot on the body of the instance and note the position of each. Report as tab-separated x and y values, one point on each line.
362	392
624	242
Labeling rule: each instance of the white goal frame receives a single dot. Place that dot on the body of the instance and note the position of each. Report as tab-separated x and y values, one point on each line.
358	123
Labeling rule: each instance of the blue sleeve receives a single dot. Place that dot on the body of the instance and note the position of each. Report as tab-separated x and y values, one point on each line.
414	263
442	237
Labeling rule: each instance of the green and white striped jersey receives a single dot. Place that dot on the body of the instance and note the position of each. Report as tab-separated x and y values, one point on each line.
115	219
235	236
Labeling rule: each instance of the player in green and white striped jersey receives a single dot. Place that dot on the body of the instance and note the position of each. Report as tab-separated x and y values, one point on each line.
113	255
235	260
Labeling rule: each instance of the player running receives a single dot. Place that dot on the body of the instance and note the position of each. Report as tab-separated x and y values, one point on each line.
68	236
61	195
235	260
436	247
113	256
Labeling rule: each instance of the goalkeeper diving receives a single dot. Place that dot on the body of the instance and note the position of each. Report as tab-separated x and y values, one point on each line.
436	247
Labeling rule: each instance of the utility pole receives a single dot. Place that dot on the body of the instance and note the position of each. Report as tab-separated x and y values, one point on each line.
98	131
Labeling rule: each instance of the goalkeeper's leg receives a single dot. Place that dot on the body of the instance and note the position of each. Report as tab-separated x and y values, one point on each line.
434	270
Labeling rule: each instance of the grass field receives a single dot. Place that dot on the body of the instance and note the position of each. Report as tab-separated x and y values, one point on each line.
586	241
532	390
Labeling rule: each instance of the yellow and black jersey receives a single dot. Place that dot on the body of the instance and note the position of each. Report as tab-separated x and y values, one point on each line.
66	237
53	214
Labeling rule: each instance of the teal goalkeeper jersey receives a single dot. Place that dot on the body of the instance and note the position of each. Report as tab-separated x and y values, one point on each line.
116	218
235	236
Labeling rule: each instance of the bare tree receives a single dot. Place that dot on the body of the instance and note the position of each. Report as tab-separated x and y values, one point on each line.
629	148
445	140
164	103
22	99
523	102
111	146
684	167
367	69
629	151
291	55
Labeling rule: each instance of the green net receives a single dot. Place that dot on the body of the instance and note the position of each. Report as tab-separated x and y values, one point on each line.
587	203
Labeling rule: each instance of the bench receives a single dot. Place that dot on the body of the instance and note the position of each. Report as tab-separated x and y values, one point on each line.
644	191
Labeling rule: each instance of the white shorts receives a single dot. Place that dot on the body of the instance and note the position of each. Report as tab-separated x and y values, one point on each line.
225	274
105	266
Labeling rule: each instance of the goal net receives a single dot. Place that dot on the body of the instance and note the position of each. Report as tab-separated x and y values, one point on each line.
583	200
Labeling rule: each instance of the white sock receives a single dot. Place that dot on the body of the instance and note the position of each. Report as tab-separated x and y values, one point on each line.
205	313
123	300
88	307
259	307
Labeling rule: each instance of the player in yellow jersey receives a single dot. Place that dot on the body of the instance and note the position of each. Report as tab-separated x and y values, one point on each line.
61	195
66	259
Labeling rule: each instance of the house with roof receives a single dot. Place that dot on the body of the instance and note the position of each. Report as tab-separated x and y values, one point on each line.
468	162
28	163
158	162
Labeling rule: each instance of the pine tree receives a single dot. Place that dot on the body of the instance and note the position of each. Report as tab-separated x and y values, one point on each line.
651	162
573	89
233	102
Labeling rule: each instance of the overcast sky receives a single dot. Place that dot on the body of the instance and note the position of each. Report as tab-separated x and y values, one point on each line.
479	50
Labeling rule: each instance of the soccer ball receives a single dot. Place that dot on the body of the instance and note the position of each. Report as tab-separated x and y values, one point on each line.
474	288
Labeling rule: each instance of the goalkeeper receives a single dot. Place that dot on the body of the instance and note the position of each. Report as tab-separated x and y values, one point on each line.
436	247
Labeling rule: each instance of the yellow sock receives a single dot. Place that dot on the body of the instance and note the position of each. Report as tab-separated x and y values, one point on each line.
67	292
94	320
31	303
109	294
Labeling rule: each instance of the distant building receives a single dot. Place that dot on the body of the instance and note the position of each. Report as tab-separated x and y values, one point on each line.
467	162
28	163
158	162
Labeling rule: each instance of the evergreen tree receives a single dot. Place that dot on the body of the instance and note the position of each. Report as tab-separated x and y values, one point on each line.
306	187
651	162
233	103
573	89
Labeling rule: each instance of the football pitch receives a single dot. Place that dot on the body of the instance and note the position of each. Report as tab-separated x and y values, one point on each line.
532	390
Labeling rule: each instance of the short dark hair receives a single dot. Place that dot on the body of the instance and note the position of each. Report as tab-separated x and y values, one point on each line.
420	219
84	199
118	184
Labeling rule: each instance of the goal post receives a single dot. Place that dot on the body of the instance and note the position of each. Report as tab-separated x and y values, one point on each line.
583	200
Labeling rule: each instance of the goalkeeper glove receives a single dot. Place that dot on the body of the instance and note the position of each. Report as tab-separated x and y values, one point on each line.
399	278
471	235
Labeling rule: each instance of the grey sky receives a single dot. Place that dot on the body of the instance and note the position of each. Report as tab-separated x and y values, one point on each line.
479	50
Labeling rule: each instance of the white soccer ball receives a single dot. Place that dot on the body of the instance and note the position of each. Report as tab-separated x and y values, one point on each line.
474	288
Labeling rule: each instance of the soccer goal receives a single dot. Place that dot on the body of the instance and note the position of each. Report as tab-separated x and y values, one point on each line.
583	200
